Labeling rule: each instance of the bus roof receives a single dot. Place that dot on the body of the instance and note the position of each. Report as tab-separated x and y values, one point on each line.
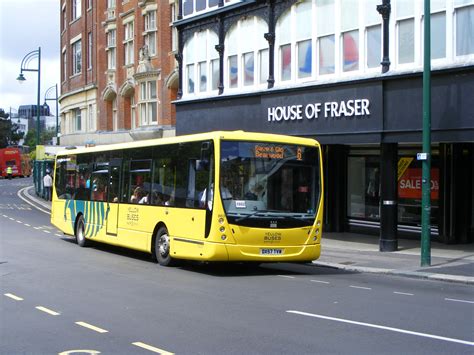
225	135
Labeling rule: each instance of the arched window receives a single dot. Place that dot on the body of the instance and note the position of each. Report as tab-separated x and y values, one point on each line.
246	49
201	63
294	43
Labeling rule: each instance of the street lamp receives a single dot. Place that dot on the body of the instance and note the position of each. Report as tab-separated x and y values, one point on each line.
55	98
21	78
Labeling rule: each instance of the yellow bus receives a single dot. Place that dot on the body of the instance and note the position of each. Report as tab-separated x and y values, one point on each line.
219	196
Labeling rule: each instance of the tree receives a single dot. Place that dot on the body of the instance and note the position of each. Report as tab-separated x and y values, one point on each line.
5	128
9	133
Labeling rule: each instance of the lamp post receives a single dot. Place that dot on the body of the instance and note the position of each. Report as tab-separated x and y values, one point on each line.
426	155
55	98
21	78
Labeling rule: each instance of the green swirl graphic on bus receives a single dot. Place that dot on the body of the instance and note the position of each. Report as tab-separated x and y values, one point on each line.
93	212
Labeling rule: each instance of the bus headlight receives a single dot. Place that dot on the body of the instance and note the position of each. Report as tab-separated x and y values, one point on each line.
221	220
222	229
223	237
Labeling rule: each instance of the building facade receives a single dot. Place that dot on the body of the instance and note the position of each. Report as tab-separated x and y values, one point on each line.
118	71
348	73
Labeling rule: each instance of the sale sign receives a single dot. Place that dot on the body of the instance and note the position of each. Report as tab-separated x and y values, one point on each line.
409	185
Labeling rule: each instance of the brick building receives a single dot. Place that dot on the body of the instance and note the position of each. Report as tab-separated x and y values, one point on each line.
118	74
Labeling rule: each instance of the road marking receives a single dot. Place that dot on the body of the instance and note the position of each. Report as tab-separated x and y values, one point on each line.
28	225
47	310
455	300
397	330
152	348
92	327
403	293
286	276
58	235
19	221
47	232
321	282
23	191
361	288
11	218
12	296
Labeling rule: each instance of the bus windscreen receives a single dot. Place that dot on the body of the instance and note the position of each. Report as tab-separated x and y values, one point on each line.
265	184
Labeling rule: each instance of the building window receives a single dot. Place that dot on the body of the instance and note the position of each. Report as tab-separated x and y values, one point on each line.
148	103
201	61
76	57
133	115
89	52
128	43
114	114
438	35
244	50
150	32
64	23
91	118
464	28
64	66
193	6
405	11
77	120
373	53
350	35
326	38
111	49
89	4
76	9
110	4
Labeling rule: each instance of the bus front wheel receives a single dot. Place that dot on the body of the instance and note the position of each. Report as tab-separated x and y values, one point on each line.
162	247
80	235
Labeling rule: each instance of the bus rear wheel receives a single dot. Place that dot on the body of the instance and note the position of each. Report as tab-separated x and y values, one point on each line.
162	248
79	233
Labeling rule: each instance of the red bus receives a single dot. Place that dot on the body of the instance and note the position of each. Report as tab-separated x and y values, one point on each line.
19	160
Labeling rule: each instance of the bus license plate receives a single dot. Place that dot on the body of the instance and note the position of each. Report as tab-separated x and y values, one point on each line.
271	251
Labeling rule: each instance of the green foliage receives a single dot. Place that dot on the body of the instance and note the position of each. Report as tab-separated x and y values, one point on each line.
9	133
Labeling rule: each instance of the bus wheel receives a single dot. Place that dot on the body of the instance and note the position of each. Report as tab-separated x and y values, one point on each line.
79	233
162	247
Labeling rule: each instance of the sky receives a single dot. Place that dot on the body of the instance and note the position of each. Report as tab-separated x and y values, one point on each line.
26	25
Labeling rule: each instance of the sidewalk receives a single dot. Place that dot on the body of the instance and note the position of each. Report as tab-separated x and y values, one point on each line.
360	253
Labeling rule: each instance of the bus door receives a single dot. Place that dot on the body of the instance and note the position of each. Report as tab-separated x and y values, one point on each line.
115	169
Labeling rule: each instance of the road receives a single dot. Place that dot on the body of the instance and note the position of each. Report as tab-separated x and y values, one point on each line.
56	297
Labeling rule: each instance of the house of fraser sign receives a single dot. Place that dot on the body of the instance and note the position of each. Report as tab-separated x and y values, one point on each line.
357	108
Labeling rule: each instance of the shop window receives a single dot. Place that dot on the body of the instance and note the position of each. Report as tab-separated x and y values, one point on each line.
409	190
363	187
